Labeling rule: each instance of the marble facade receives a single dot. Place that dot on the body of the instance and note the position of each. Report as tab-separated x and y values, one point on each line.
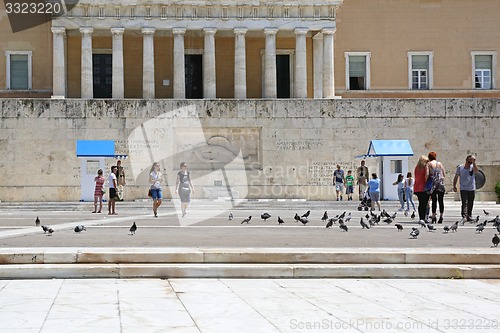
288	147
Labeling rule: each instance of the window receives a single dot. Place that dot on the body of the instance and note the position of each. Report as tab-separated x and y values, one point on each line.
18	70
358	70
420	70
483	65
396	166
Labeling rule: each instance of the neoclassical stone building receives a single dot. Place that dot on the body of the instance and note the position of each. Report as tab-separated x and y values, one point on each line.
287	88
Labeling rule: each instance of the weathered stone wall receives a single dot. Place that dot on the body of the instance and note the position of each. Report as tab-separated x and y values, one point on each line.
260	148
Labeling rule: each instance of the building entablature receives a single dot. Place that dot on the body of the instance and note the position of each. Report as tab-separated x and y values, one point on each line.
200	14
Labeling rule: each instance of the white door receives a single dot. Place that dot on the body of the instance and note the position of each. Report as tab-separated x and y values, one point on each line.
88	171
391	168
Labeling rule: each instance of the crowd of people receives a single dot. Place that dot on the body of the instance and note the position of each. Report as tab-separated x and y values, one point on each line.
427	183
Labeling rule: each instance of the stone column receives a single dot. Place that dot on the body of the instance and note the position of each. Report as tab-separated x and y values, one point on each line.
240	64
179	70
270	80
118	77
87	84
300	85
318	65
328	67
209	87
148	63
59	62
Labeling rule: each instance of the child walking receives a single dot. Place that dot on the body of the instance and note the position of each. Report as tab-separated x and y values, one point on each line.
349	185
401	191
98	190
409	183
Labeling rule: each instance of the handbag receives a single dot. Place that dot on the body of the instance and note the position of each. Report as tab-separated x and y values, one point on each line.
428	188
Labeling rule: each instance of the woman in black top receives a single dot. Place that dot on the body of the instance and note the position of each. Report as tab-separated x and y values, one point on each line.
184	187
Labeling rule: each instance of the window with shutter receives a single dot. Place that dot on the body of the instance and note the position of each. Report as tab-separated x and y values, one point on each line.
18	70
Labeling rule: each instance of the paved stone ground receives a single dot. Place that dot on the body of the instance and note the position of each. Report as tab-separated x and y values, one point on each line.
207	225
248	305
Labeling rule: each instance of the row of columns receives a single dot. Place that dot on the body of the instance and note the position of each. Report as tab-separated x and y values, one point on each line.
323	46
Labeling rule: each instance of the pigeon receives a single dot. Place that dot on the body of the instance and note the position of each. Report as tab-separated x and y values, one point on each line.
330	223
485	212
414	232
422	224
431	227
343	227
498	228
325	216
230	216
45	229
446	229
412	215
406	213
479	228
37	222
348	218
454	227
50	231
462	221
265	216
280	221
80	228
495	240
247	220
363	224
296	217
393	216
306	214
399	226
388	220
477	219
342	215
304	220
371	221
133	228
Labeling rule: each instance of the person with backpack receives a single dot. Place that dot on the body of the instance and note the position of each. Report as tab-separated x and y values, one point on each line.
437	171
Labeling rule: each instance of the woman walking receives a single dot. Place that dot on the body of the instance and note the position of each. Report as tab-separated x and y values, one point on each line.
401	190
184	187
420	179
374	191
437	171
155	179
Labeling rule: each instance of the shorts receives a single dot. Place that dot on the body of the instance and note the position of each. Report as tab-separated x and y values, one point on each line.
349	189
156	194
113	195
375	196
339	186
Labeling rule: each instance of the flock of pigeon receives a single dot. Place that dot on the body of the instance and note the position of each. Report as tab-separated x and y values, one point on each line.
373	219
78	229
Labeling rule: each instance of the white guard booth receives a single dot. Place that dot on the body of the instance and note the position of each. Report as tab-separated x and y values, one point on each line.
92	155
393	160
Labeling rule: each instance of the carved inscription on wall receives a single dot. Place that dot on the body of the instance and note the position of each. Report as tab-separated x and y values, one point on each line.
321	173
298	144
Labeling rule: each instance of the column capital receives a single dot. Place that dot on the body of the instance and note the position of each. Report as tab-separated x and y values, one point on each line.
58	30
240	31
209	31
117	31
328	31
86	30
301	31
148	31
318	35
178	31
270	31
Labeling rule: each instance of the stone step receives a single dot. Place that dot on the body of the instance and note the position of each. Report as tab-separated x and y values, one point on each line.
265	256
75	271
